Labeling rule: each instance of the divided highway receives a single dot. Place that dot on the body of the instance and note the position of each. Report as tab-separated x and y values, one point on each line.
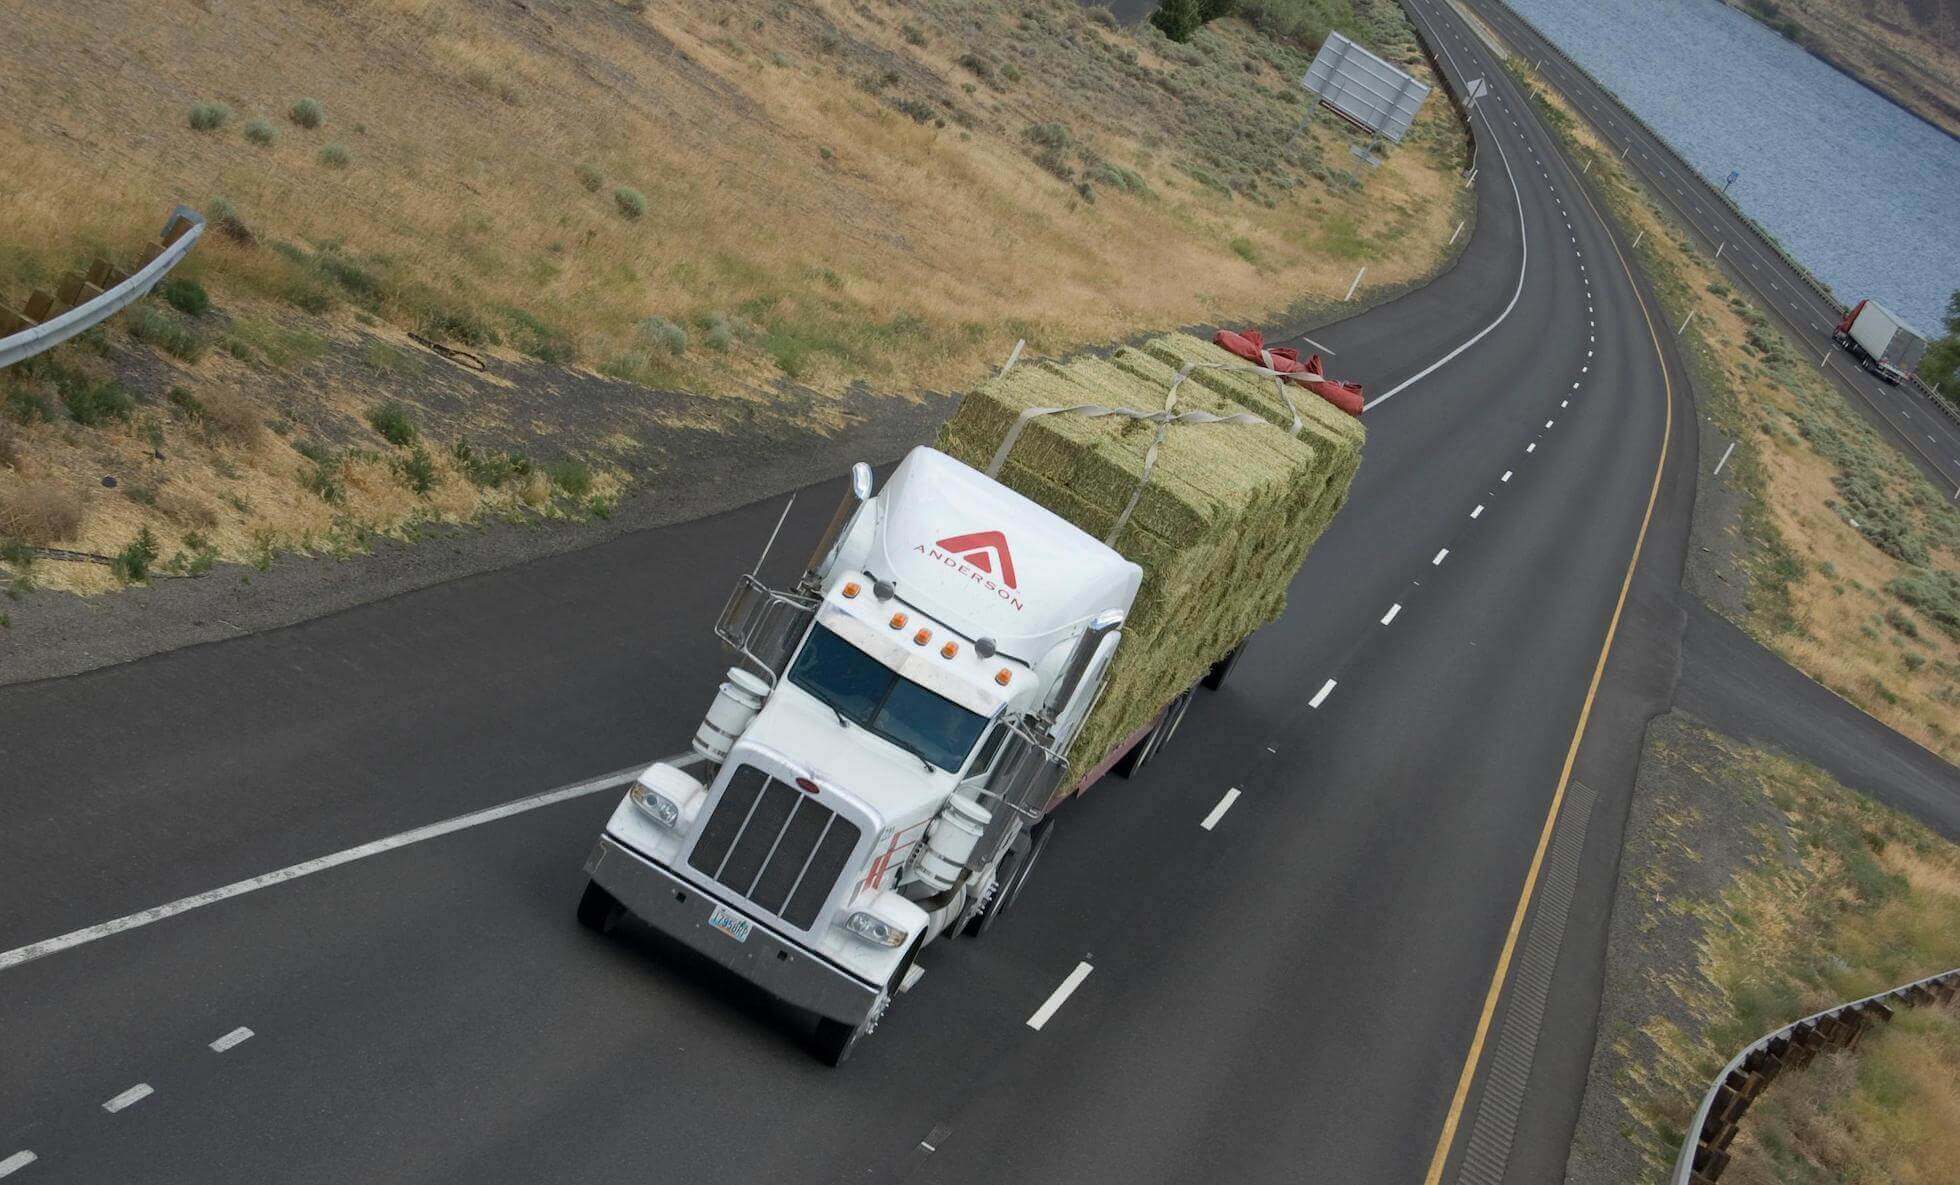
1272	956
1927	434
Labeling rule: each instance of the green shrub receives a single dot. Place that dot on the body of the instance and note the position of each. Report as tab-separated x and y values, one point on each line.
187	404
631	202
153	327
91	403
546	343
417	469
322	479
209	117
573	477
391	420
489	469
1934	592
978	66
307	113
719	333
590	177
663	334
187	296
132	564
335	156
260	132
1049	135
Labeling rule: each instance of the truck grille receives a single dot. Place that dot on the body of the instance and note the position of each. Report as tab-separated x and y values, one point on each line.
775	846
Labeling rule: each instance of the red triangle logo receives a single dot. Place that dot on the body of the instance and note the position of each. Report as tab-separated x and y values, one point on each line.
983	549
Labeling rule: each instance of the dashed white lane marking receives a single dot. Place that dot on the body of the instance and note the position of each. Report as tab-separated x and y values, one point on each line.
1217	813
1575	386
1548	423
1054	1003
17	1162
1392	611
48	946
1440	557
237	1036
1478	512
1320	697
130	1097
1532	447
1563	402
1506	477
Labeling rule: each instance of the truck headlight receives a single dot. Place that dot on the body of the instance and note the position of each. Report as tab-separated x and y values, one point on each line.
876	930
665	811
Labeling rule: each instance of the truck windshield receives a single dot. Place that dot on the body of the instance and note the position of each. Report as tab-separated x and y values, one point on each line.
870	694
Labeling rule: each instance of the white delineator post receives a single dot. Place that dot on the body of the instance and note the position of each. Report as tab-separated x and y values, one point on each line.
1356	284
1684	322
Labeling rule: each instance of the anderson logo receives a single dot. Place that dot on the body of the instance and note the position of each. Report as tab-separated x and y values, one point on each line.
979	555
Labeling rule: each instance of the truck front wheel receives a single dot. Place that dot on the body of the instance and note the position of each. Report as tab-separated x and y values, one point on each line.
598	910
835	1039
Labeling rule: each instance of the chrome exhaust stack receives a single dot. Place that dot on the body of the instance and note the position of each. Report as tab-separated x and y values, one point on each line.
1077	668
859	493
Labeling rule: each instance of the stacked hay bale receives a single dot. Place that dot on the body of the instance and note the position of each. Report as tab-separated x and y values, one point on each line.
1220	527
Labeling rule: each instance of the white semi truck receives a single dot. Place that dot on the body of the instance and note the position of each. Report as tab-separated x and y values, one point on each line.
1880	341
876	772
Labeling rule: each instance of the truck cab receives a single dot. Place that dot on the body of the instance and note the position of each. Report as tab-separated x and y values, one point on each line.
894	726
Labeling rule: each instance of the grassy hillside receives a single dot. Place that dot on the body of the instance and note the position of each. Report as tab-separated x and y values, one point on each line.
1907	50
1756	890
761	205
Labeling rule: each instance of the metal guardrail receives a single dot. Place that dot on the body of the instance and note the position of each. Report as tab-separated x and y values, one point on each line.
100	293
1704	1152
1748	223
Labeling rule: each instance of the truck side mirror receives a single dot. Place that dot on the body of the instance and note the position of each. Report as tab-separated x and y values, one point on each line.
861	481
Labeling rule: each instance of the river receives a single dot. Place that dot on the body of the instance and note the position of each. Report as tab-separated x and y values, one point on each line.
1864	193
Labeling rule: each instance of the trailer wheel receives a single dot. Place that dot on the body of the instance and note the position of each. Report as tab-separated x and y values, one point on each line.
1215	677
598	910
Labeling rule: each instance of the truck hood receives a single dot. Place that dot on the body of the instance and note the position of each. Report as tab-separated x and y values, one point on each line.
893	783
979	556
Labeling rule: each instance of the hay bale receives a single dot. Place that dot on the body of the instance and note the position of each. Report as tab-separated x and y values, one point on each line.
1219	528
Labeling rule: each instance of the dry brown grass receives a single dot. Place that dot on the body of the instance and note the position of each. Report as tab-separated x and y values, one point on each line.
39	513
784	187
1818	582
1805	894
791	197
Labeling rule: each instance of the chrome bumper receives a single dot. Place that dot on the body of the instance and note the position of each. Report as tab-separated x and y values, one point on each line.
781	967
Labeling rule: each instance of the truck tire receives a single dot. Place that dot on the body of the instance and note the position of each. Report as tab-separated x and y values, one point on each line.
1215	677
1005	877
598	910
835	1039
1041	834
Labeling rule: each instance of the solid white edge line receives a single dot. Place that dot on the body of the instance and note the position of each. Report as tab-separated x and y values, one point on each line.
17	1161
1392	611
1060	997
128	1098
236	1037
1218	812
157	913
1320	696
1524	258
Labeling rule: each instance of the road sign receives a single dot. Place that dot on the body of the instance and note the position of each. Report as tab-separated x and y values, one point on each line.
1363	89
1476	89
1733	174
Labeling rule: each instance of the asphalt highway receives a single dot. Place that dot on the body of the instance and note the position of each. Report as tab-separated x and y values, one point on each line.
1928	435
1292	993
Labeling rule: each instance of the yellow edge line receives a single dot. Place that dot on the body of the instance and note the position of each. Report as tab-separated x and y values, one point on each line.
1455	1117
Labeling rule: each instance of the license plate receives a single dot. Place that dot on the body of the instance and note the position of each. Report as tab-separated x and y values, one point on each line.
731	923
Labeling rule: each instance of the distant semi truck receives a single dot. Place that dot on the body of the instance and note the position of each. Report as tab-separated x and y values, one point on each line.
1882	344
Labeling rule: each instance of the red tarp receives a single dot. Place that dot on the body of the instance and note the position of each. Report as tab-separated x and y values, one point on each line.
1251	347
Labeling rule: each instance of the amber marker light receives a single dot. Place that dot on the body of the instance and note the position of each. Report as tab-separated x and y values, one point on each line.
922	637
949	650
852	589
898	621
1002	676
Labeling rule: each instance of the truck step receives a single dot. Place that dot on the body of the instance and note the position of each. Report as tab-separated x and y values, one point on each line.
912	975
